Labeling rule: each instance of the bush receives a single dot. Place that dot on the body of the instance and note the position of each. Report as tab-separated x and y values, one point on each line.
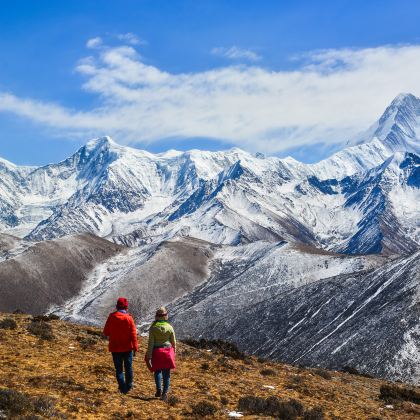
226	348
354	371
393	392
351	370
323	373
44	405
96	333
8	324
272	406
18	312
87	342
41	329
56	382
45	318
205	366
16	403
268	372
204	408
224	400
225	363
295	382
173	400
316	413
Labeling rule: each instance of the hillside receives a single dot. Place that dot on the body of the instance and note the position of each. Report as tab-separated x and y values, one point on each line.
70	375
35	275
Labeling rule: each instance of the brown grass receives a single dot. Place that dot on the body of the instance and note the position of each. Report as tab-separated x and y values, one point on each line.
61	377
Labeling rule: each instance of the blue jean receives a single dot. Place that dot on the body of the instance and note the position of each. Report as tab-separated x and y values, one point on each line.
166	373
124	362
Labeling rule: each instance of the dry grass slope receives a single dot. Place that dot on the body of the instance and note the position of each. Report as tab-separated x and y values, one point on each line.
70	375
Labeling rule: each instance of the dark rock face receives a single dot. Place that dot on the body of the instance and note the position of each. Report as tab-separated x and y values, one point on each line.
368	320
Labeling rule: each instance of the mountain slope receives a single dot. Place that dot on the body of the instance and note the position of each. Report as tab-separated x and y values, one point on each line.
149	275
35	275
387	196
72	376
365	318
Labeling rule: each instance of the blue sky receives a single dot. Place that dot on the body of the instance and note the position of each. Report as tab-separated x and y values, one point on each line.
282	77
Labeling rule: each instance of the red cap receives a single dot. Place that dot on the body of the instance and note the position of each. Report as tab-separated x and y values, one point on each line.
122	303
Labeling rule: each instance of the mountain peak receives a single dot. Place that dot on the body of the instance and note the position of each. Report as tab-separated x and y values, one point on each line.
100	142
403	99
398	128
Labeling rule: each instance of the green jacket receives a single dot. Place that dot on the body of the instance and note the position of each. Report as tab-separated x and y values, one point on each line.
161	333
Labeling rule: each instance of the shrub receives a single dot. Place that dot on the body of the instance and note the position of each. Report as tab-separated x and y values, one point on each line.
224	400
41	329
173	400
297	405
351	370
268	372
14	402
45	318
272	406
354	371
44	405
393	392
295	382
224	363
316	413
252	404
8	324
226	348
323	373
204	408
18	312
96	333
87	342
60	382
66	383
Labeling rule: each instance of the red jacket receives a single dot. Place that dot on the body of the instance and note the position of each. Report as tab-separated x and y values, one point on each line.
122	333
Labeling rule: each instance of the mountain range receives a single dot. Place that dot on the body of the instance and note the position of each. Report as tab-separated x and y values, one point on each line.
289	260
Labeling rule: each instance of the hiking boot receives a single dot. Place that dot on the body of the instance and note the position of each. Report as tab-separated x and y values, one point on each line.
158	393
164	397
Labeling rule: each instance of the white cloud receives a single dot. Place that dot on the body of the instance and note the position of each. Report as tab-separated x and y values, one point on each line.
131	39
329	97
236	53
94	42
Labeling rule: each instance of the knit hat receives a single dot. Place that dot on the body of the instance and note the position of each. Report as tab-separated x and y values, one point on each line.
122	303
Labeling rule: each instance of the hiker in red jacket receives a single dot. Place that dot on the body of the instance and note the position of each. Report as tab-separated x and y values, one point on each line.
122	334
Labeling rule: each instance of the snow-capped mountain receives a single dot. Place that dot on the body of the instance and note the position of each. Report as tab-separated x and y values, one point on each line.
131	196
222	234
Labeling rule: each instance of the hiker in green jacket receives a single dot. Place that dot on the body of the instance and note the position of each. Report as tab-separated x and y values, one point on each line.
161	349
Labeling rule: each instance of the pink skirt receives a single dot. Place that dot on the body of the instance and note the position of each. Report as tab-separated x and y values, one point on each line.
163	358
